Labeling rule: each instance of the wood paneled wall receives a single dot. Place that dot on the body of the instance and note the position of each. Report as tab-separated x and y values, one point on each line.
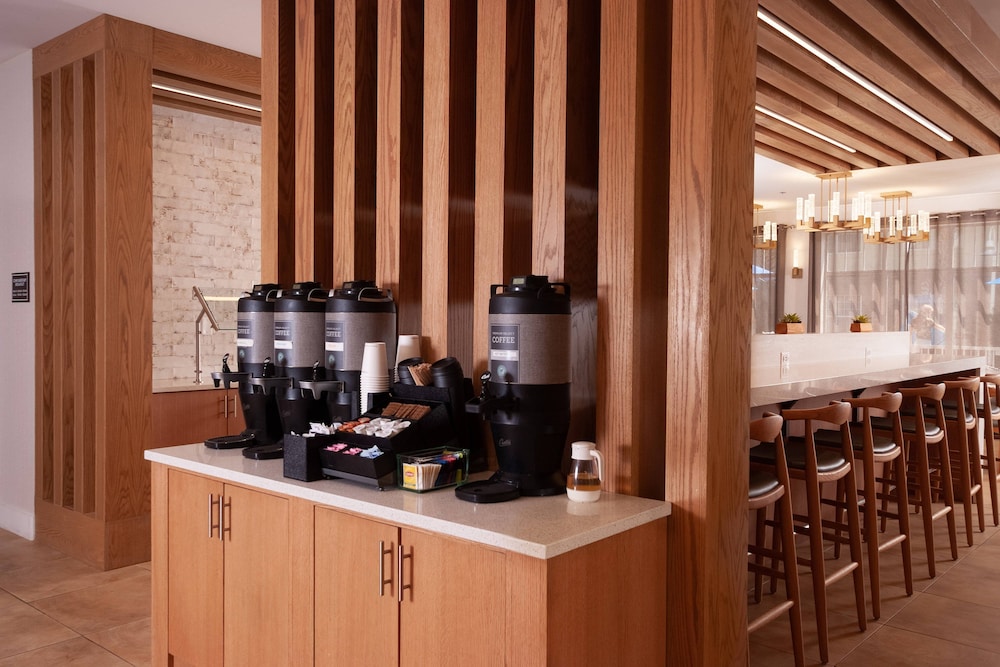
607	144
93	102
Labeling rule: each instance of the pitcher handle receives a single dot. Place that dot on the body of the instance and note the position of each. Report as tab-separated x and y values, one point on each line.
600	464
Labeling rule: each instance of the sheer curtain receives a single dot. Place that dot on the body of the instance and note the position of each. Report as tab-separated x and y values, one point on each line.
941	290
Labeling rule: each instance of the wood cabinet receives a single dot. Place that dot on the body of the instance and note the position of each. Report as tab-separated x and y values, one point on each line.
228	584
182	417
395	596
287	576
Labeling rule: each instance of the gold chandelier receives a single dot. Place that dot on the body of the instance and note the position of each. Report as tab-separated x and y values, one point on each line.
834	212
765	234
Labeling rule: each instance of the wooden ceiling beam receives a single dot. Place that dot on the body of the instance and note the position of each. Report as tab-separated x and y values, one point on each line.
784	157
798	59
889	24
862	126
777	100
771	133
957	25
829	29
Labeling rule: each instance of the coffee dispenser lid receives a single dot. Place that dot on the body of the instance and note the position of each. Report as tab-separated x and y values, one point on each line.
361	296
530	294
263	291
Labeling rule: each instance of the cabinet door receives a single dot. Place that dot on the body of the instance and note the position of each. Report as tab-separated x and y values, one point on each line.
355	582
195	570
183	417
257	578
455	612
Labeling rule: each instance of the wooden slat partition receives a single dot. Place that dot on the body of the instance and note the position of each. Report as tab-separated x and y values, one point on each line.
93	258
596	161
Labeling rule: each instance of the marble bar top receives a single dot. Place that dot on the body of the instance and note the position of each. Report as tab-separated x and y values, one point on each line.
537	527
919	367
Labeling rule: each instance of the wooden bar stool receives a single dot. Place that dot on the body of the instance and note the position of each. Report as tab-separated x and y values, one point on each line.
989	410
817	466
886	452
769	487
962	420
926	442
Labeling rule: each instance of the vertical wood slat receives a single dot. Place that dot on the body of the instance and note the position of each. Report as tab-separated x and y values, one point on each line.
365	142
82	381
44	282
307	190
62	103
344	178
616	347
549	190
711	177
491	102
387	181
437	78
277	141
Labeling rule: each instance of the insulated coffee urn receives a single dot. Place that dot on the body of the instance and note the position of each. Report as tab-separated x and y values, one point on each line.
357	313
255	328
526	391
299	315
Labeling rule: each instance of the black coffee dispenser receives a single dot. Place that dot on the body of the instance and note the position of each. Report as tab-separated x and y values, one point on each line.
526	391
255	328
299	344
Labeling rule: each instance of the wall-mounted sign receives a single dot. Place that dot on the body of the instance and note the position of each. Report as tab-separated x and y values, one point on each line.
20	287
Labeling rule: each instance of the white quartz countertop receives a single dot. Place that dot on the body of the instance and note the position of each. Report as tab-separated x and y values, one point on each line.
536	527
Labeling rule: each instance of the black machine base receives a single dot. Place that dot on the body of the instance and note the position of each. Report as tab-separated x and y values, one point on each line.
503	486
263	452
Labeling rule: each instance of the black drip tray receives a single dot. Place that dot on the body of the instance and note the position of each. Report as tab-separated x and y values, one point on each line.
231	441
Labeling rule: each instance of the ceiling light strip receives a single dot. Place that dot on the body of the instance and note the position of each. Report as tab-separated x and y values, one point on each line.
800	126
203	96
850	73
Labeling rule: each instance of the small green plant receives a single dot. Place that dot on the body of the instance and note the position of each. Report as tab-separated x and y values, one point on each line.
790	318
862	319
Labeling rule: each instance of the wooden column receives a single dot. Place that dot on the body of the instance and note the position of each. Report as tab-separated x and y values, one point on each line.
93	111
708	333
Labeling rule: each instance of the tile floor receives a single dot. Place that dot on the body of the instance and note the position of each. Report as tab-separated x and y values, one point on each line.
949	620
55	610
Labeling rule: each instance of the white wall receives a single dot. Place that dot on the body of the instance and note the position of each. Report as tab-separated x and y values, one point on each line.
17	320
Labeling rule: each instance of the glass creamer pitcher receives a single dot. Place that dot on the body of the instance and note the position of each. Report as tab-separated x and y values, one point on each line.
583	484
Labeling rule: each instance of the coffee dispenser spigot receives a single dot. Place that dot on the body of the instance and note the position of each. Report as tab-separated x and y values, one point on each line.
487	404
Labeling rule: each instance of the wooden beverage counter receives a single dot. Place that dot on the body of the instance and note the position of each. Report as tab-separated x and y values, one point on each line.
250	567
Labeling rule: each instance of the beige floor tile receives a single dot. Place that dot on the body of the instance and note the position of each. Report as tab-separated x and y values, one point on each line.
64	575
102	607
131	642
77	652
960	622
16	554
23	628
892	647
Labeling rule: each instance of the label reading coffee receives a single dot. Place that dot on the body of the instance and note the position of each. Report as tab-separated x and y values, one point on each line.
504	352
335	345
243	338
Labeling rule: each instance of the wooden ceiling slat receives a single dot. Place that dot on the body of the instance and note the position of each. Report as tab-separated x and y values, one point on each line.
791	107
771	133
787	158
862	126
837	34
889	24
958	27
798	59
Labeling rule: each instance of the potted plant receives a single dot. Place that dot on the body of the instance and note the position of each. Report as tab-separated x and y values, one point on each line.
790	323
861	323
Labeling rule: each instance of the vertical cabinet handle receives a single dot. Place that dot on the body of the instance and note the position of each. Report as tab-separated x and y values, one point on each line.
235	401
222	515
400	586
382	553
211	504
225	404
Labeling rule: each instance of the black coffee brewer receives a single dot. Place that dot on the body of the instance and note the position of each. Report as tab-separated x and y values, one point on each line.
526	391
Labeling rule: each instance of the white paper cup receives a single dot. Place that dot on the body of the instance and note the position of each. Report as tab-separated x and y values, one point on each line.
373	362
407	347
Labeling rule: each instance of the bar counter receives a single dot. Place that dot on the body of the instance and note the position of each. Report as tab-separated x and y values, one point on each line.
920	366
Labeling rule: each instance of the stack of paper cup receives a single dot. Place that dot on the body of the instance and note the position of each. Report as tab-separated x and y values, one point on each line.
407	348
374	372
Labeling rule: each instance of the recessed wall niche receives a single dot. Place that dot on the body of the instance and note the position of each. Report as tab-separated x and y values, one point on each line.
206	234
